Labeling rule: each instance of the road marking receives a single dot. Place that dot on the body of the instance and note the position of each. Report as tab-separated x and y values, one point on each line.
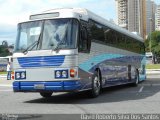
140	90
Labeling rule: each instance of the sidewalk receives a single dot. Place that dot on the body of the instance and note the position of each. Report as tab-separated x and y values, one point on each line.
4	81
3	76
153	71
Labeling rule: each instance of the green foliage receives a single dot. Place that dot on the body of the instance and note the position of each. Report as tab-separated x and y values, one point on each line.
154	40
147	49
3	73
4	51
153	66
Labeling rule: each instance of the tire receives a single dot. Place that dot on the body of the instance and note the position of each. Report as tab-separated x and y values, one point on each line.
46	94
136	82
96	85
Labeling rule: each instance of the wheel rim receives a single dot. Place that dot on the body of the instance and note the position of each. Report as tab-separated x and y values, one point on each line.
137	79
96	84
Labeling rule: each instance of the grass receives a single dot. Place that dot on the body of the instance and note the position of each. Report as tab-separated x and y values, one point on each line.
153	66
3	73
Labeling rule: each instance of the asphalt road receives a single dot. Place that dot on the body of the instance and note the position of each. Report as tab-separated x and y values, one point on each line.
122	99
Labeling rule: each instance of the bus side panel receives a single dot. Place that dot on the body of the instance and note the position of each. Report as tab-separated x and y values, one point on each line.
112	62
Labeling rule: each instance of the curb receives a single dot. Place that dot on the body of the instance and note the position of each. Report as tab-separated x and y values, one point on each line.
3	76
152	71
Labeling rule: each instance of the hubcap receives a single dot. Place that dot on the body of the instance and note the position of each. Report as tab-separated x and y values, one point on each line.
137	78
96	84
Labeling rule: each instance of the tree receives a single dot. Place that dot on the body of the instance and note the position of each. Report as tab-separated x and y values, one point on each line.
4	49
5	43
153	43
147	49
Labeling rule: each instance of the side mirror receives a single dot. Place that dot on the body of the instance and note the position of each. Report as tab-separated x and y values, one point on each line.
84	33
85	42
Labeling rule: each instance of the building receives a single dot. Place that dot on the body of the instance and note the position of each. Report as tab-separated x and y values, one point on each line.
157	18
132	16
122	13
150	16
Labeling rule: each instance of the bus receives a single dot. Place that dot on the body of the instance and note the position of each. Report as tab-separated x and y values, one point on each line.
73	49
149	58
3	63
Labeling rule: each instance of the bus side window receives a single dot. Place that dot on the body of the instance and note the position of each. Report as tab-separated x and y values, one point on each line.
84	43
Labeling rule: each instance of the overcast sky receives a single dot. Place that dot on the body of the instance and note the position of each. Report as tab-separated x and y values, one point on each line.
15	11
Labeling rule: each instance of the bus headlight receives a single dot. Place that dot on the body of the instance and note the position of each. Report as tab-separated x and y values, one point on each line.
57	74
64	74
60	74
23	75
19	75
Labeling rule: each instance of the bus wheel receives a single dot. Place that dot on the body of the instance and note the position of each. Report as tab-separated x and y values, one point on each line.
136	79
96	85
46	94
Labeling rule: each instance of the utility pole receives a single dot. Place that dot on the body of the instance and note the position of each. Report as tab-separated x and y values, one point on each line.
150	43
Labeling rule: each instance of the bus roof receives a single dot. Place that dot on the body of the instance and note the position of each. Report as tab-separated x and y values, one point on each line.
84	14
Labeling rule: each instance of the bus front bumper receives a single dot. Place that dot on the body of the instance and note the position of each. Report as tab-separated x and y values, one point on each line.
38	86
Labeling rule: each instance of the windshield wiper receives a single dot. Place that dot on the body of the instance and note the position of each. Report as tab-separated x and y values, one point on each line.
64	37
31	46
57	47
35	43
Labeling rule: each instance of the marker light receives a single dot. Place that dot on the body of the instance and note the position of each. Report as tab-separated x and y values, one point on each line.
12	74
73	73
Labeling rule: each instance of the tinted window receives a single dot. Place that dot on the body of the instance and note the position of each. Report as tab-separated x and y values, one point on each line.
108	36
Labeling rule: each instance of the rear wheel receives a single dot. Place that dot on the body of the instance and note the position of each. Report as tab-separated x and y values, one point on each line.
96	85
46	94
136	79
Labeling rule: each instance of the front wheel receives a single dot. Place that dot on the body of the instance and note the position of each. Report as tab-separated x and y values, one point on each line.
46	94
96	85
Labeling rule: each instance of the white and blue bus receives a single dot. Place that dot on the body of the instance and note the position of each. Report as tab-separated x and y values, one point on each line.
73	49
3	63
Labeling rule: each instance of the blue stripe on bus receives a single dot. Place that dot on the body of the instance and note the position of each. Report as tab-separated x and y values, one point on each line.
86	66
48	85
41	61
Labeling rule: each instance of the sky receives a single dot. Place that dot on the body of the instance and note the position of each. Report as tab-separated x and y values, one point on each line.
14	11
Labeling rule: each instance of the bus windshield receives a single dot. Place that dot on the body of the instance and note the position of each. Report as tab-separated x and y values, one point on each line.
47	34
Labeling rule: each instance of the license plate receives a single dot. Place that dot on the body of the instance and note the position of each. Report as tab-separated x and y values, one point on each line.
39	86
